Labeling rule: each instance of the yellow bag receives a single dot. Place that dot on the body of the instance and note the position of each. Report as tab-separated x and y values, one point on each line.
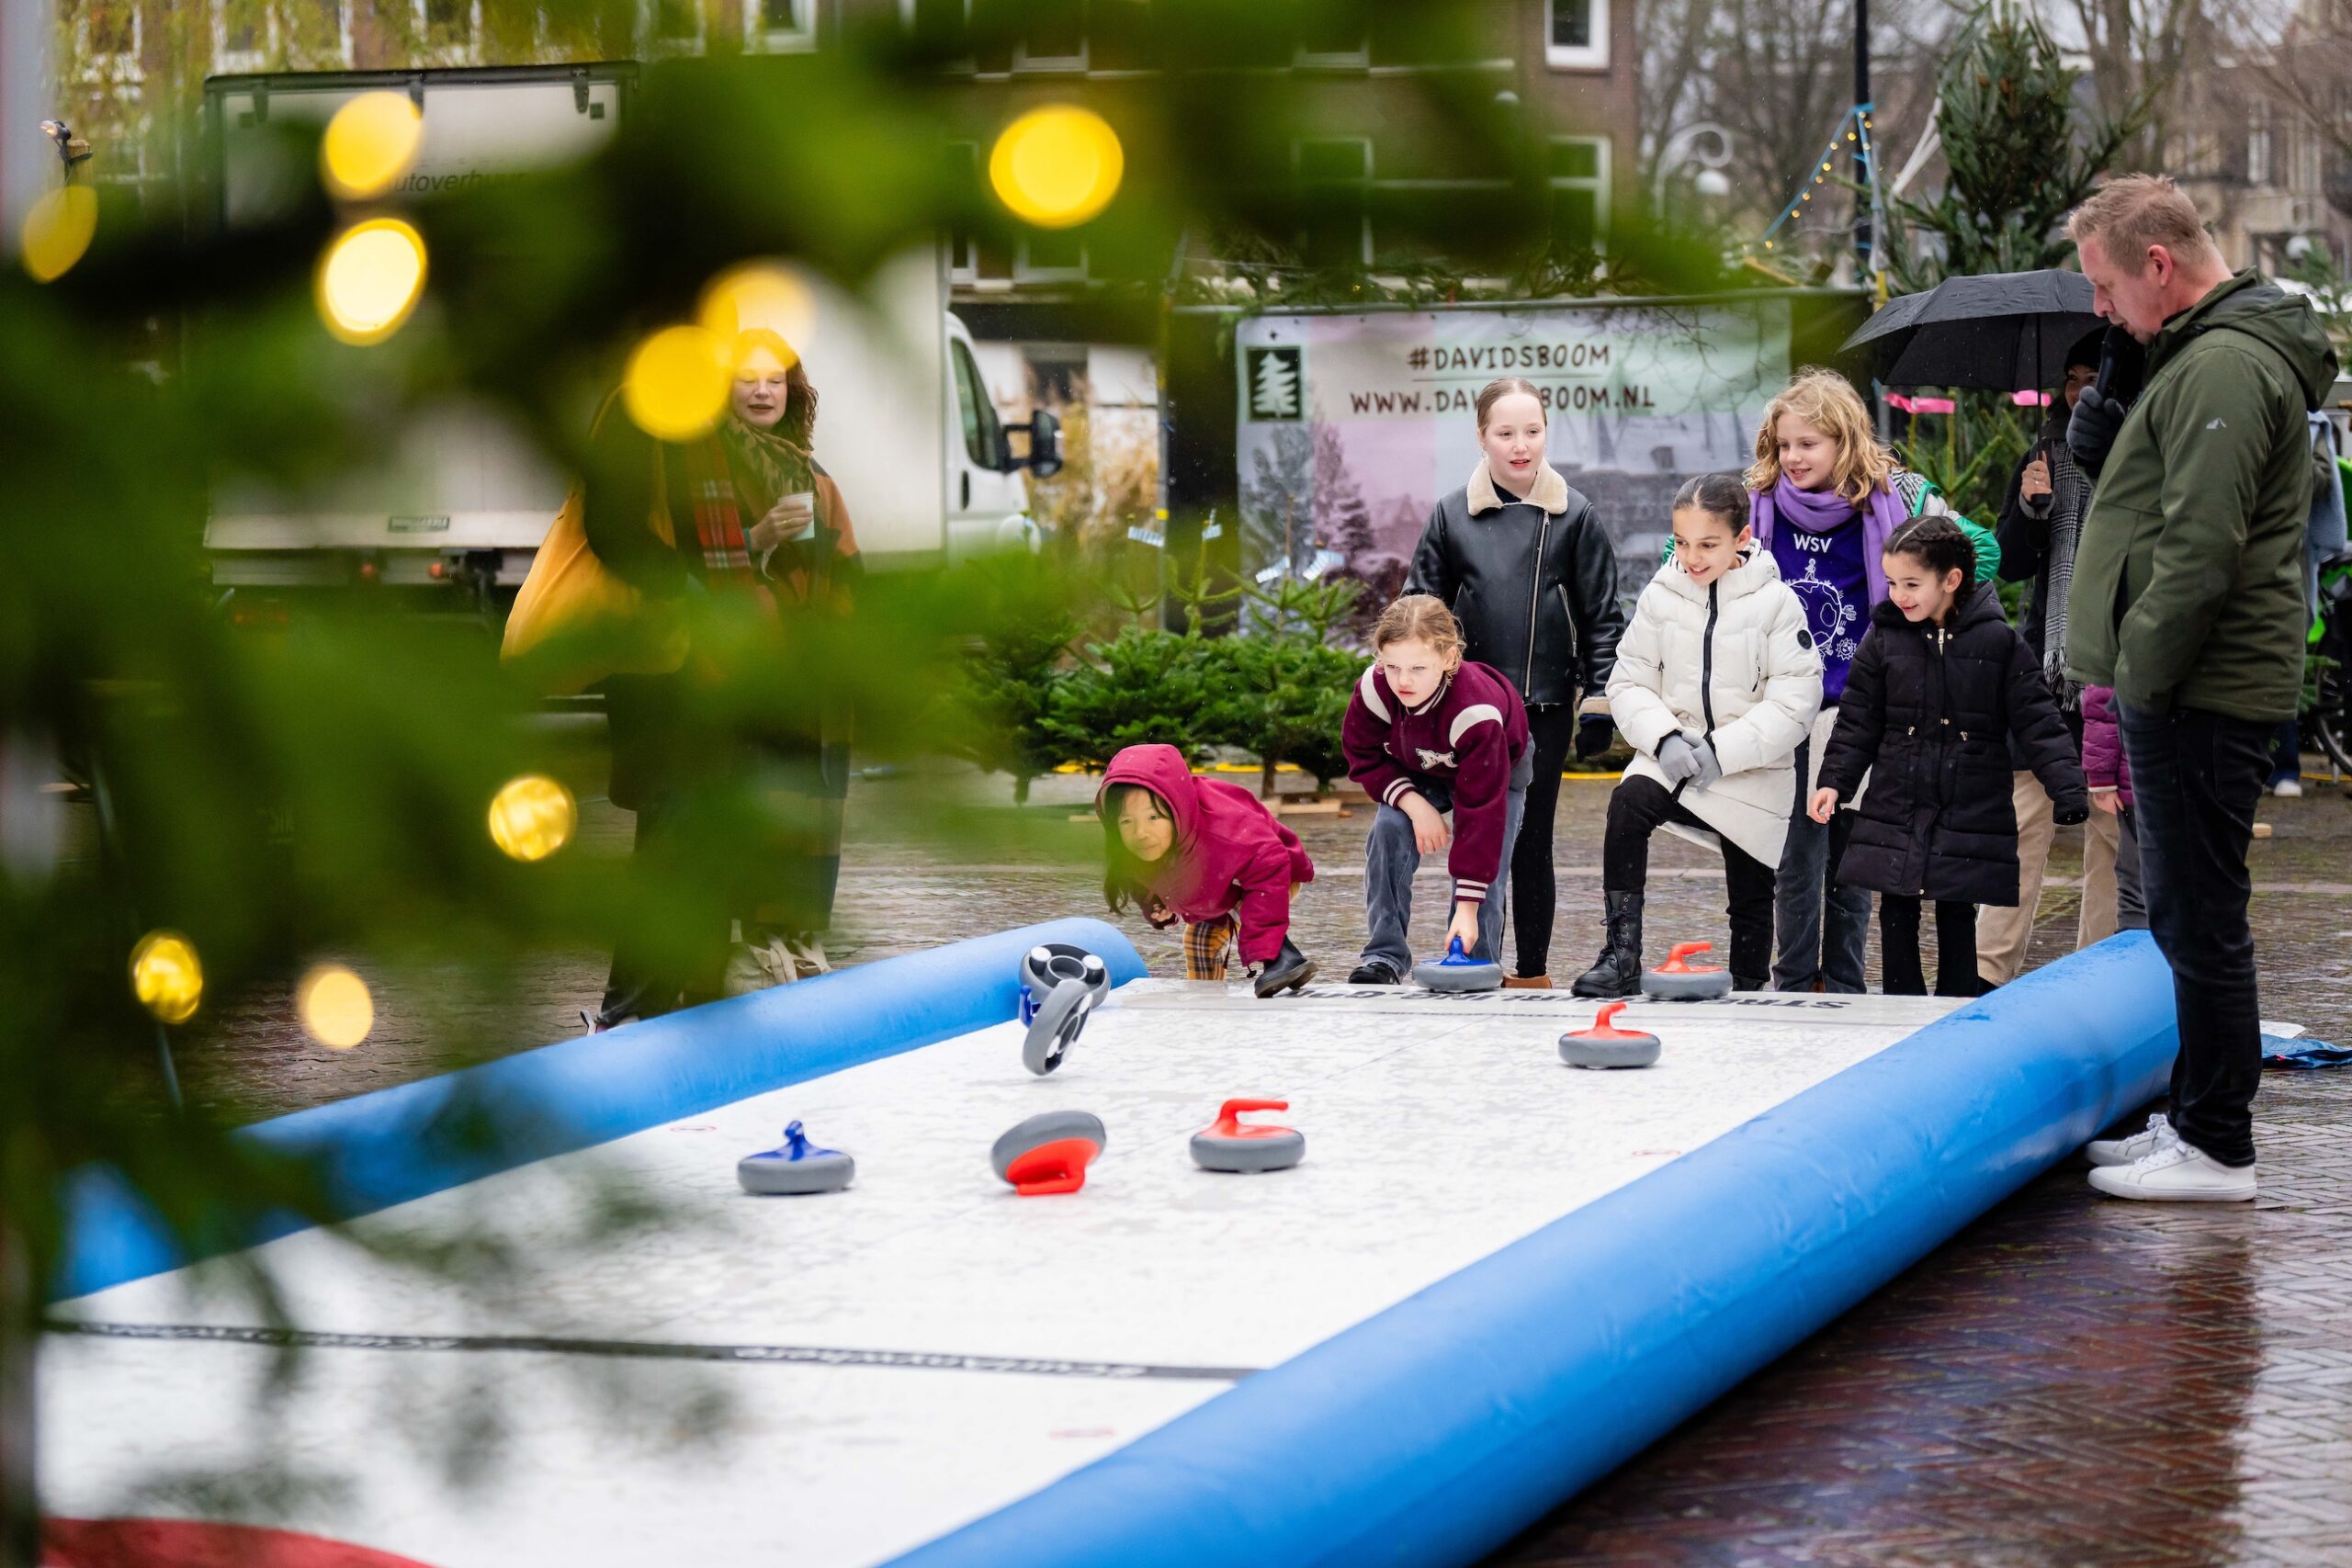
574	622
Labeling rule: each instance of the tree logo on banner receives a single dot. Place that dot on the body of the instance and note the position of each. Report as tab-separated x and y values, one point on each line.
1277	383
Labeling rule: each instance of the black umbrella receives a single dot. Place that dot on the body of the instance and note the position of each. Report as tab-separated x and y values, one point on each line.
2007	331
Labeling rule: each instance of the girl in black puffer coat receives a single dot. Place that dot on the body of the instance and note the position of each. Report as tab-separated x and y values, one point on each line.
1939	688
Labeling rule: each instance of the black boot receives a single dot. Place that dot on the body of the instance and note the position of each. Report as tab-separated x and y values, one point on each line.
1287	971
1618	971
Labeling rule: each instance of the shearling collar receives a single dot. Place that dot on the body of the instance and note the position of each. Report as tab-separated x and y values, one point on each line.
1550	491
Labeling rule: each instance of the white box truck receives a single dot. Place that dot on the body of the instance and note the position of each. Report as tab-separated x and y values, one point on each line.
458	503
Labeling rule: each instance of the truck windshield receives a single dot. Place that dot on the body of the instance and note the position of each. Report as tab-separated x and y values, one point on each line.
982	437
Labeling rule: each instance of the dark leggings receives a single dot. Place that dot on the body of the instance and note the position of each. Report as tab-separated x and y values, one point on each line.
1640	806
1898	940
1551	729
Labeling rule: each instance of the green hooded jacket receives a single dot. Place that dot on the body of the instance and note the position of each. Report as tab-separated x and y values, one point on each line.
2188	580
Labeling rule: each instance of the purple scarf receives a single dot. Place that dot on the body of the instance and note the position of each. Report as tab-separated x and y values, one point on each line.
1823	512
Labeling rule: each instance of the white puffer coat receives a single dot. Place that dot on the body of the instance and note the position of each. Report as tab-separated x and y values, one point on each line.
1732	663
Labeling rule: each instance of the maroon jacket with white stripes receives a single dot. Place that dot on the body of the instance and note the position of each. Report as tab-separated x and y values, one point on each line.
1467	736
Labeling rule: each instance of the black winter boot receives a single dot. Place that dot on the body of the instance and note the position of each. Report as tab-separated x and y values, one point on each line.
1287	971
1618	971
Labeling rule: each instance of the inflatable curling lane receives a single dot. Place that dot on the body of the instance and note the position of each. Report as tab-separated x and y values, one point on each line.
1165	1367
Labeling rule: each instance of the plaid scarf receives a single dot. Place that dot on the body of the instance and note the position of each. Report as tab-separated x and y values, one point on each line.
739	462
2069	487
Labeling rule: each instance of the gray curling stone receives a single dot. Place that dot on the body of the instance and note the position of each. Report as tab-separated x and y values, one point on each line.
1458	972
1606	1045
1676	981
1229	1144
1061	984
797	1169
1049	1152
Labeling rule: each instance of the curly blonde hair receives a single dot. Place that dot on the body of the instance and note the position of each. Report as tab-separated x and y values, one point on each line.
1828	402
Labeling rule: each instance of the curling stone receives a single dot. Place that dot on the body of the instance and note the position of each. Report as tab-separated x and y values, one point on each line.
1061	984
796	1169
1606	1045
1228	1143
1049	1152
1458	972
1676	981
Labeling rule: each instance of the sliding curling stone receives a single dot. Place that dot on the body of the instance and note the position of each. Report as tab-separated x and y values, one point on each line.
1458	972
1228	1143
1049	1152
1606	1045
1676	981
1061	984
797	1169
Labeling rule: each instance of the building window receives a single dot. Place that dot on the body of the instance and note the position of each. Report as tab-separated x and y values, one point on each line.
1056	255
675	26
1576	34
1053	37
449	30
940	26
1334	37
245	35
1580	174
779	26
2257	145
962	245
316	32
110	36
1335	185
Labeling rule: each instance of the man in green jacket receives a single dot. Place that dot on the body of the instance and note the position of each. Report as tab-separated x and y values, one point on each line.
2187	599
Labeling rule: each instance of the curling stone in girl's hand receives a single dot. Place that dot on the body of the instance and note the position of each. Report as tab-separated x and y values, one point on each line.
1458	972
1061	984
1606	1045
1228	1143
1049	1152
1676	981
798	1168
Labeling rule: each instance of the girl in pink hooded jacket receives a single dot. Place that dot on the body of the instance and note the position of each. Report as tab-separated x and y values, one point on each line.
1207	853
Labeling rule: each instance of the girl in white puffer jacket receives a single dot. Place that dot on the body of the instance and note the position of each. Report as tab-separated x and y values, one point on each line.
1717	680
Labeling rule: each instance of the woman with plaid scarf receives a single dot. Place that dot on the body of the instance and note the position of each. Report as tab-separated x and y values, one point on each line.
738	817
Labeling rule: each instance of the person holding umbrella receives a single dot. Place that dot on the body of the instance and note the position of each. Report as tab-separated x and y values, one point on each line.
2041	517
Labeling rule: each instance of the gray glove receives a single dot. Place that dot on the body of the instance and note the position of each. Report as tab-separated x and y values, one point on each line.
1710	768
2091	431
1678	758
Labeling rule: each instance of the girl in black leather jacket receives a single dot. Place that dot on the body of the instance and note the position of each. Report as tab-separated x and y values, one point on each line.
1529	573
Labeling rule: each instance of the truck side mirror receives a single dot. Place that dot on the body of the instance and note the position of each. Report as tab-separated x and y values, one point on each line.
1043	458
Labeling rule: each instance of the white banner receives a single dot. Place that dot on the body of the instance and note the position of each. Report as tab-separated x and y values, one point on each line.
1353	425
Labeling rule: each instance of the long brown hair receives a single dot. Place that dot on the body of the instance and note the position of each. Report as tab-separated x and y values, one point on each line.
799	421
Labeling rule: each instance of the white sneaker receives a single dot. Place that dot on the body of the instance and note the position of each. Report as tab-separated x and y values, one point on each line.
2292	789
757	966
2139	1146
2176	1173
808	951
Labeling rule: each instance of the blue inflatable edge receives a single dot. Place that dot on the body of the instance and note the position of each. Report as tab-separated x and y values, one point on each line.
377	1149
1436	1430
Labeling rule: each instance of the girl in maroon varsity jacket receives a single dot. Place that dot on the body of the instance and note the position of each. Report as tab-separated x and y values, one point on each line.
1429	733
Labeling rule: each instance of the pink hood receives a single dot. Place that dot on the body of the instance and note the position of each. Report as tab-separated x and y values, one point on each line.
1230	854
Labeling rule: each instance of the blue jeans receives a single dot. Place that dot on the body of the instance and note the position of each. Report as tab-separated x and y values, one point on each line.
1390	858
1821	926
2195	777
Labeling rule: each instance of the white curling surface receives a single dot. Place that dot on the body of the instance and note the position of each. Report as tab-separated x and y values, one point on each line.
1439	1130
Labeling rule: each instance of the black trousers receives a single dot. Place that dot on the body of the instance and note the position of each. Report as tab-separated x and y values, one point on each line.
1640	806
2195	778
1898	939
1550	730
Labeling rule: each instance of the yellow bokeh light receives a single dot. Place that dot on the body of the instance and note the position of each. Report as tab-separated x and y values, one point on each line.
1056	167
334	1007
166	976
757	297
370	279
58	229
370	144
677	383
532	816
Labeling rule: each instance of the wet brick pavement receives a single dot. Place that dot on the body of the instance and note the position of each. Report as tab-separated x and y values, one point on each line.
2071	1380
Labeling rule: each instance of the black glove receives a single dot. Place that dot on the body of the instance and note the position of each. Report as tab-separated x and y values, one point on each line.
2093	429
2067	815
2123	367
1594	732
